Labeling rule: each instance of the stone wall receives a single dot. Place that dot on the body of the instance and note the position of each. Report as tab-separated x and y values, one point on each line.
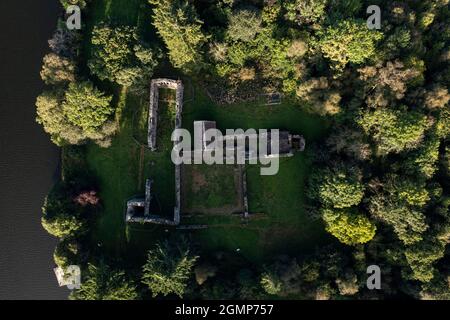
152	219
244	190
148	196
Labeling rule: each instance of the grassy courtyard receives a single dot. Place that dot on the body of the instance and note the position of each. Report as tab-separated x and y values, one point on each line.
212	189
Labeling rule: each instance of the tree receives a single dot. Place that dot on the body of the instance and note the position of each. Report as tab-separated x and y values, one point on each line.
87	198
305	11
409	224
341	9
394	130
349	142
446	161
386	83
297	48
437	289
400	206
397	42
180	28
348	226
66	252
168	268
347	41
61	224
437	98
65	42
271	11
52	118
105	283
443	123
412	192
61	218
338	188
203	272
78	119
120	56
421	258
348	284
320	97
283	277
424	159
57	70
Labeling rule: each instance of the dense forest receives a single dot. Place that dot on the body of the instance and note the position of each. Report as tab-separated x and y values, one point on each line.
379	181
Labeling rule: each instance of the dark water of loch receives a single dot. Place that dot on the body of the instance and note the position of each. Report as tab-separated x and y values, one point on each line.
28	160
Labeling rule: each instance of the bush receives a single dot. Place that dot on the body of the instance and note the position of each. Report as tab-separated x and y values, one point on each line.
61	218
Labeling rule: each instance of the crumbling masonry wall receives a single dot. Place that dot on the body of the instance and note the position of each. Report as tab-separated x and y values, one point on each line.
155	85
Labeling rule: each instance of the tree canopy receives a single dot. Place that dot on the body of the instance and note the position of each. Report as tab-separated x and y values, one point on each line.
349	227
349	41
337	187
104	283
180	28
394	130
79	114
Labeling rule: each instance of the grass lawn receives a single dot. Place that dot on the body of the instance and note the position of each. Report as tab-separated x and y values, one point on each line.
127	12
213	190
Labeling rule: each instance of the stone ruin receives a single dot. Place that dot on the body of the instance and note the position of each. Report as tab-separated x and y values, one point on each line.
138	209
156	84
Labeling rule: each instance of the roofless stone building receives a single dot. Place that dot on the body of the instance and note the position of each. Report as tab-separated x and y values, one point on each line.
139	209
